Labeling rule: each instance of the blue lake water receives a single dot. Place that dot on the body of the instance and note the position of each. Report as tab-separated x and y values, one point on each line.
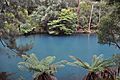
83	46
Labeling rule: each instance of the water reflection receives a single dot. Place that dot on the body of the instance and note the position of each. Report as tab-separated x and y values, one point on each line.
13	51
8	40
82	46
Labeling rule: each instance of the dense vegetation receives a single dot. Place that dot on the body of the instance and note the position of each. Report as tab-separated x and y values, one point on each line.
65	24
62	17
47	16
110	25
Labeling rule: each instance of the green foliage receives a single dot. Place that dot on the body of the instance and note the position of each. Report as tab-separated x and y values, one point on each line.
29	24
98	63
105	25
116	59
10	27
46	11
110	26
109	31
25	27
85	13
10	23
65	24
26	15
39	67
15	17
97	69
85	9
100	9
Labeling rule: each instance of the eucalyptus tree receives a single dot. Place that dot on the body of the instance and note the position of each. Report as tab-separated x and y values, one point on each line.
110	25
78	12
89	14
100	10
90	19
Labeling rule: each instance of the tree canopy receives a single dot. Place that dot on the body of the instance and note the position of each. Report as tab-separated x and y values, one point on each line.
109	31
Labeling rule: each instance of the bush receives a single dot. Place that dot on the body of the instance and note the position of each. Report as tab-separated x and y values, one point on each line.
65	24
46	11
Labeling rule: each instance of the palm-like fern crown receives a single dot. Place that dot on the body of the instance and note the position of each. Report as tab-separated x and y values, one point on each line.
39	67
98	63
116	58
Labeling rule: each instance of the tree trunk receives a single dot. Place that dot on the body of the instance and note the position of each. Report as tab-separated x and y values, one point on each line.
90	19
99	12
45	76
78	13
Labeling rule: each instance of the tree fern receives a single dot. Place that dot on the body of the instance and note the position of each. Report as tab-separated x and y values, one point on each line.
39	67
97	69
98	63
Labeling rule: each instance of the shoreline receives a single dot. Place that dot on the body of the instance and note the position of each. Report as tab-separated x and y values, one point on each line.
44	32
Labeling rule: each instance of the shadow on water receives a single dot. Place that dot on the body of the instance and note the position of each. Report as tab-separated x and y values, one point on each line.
10	52
8	41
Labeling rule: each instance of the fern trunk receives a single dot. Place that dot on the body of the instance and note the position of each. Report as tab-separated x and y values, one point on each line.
45	76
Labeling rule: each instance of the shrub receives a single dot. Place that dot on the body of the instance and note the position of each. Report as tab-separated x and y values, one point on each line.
65	24
46	11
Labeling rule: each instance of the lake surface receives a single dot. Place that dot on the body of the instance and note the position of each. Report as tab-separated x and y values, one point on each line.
83	46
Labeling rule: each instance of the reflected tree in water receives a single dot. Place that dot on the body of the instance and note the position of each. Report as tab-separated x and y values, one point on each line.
8	40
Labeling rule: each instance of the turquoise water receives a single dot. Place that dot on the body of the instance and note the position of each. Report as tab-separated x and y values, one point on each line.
82	46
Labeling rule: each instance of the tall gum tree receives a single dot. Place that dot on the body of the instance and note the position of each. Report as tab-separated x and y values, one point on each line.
109	31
